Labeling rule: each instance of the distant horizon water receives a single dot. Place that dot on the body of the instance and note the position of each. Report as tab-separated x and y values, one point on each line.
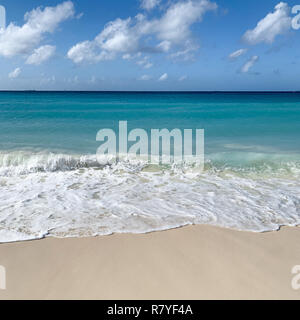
159	91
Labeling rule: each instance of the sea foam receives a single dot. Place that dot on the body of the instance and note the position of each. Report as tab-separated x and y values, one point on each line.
45	194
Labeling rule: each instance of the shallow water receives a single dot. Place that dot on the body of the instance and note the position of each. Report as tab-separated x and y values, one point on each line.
52	185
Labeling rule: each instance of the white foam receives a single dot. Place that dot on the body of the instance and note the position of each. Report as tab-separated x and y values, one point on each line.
131	198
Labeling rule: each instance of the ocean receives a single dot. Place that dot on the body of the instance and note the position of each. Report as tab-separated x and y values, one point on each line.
52	185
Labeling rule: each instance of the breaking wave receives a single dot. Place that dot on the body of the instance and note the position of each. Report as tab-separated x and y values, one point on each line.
60	195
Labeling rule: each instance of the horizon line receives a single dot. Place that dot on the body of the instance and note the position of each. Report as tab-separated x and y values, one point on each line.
154	91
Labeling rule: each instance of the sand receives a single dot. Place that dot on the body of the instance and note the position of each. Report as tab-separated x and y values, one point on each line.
197	262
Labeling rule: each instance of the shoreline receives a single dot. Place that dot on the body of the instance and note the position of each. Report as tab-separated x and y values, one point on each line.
192	262
147	233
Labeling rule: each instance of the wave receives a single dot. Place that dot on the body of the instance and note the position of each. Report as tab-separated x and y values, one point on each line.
46	194
26	162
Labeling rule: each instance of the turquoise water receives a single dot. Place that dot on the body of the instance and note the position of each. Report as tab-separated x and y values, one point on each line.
70	121
51	184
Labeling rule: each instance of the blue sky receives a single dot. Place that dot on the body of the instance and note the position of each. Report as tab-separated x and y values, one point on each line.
149	45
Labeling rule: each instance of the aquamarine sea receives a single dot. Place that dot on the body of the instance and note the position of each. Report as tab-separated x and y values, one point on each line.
52	185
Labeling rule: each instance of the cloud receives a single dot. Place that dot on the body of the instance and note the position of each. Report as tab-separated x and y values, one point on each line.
164	46
148	65
274	24
145	63
41	55
16	40
79	16
236	54
163	77
249	64
118	36
127	36
149	4
128	56
145	77
175	24
182	78
186	54
14	74
87	51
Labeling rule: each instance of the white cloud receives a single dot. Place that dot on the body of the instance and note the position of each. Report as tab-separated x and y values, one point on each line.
80	15
125	36
274	24
118	36
174	25
249	64
186	54
145	63
15	40
41	55
148	65
145	77
14	74
164	46
128	56
236	54
83	51
149	4
87	52
182	78
163	77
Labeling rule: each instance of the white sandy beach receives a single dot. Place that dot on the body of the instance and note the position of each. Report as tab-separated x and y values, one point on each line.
199	262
